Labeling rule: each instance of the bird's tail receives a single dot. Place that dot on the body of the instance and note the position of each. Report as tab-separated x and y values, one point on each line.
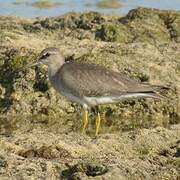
157	93
159	88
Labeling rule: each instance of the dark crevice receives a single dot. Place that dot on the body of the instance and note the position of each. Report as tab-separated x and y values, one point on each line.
89	169
8	75
41	83
168	21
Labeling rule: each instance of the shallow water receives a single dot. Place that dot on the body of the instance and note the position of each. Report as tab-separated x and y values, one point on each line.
25	8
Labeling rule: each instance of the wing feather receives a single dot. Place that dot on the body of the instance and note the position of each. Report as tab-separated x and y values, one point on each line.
93	80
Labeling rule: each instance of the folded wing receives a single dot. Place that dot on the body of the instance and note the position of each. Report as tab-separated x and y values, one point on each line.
95	81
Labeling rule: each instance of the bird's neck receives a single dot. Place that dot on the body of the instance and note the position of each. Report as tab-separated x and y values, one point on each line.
53	68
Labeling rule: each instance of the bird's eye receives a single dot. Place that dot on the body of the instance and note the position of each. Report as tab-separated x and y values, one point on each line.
46	55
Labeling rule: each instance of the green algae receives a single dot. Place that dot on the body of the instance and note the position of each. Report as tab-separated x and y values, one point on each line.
13	63
112	32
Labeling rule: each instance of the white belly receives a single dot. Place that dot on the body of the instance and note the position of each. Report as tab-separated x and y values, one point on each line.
94	101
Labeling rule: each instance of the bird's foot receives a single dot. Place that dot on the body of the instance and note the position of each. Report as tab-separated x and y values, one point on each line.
85	120
98	123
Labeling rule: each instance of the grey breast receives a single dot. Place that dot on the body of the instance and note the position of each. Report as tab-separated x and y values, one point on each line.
63	81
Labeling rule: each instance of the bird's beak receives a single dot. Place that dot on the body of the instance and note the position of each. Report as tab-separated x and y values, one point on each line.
33	64
28	66
37	63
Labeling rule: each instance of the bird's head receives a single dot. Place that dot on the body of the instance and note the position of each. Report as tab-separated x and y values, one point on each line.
50	57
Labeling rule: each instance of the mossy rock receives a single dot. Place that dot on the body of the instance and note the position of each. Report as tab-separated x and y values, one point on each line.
172	22
146	25
89	20
139	25
142	13
113	32
28	91
85	21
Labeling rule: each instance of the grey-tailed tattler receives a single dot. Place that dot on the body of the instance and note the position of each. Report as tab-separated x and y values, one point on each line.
91	85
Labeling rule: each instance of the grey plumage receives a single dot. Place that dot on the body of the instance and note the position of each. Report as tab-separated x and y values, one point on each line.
93	80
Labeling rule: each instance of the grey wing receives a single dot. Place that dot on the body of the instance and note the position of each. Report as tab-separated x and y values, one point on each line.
92	80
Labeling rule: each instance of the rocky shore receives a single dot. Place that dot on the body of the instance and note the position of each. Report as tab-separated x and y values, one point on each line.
39	129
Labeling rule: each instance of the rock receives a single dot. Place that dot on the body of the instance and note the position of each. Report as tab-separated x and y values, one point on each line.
40	130
89	169
112	32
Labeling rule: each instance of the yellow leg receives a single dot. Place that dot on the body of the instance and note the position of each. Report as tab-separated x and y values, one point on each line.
85	120
98	122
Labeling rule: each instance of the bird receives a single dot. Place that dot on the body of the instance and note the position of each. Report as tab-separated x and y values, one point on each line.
91	85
